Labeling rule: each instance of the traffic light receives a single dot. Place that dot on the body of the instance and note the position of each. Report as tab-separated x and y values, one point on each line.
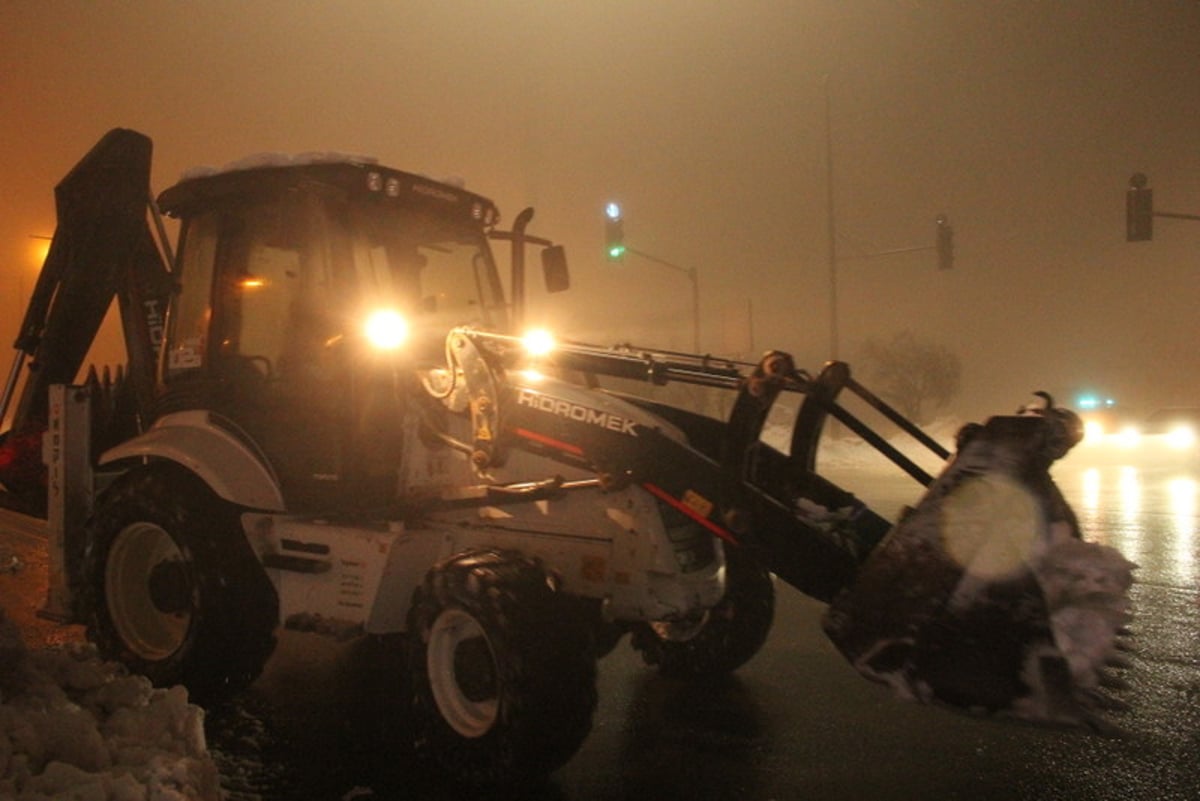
945	243
1139	210
614	233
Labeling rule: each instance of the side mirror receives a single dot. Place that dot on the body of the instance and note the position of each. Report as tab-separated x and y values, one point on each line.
554	269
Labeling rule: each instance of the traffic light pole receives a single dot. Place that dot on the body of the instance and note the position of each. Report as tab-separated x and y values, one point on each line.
692	276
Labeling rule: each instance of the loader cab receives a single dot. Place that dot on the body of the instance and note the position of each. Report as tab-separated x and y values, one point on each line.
281	270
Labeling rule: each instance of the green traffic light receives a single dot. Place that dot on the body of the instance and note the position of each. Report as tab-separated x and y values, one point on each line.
614	233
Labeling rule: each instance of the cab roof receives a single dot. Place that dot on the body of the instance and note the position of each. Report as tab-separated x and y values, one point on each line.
358	177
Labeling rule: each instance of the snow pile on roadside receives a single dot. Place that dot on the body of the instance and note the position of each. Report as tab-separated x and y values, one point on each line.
75	727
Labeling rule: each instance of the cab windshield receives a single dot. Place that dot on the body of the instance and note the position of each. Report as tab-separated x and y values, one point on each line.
273	284
438	274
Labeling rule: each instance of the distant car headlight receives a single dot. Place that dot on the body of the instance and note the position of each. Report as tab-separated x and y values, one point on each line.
1129	437
386	329
1181	437
1093	431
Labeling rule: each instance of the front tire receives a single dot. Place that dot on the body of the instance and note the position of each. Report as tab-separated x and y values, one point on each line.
502	667
722	639
169	586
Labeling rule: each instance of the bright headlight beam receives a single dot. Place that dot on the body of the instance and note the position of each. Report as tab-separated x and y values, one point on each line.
1181	437
538	342
386	329
1129	437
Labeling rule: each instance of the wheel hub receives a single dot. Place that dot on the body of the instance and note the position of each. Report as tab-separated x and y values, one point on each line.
680	629
169	586
148	591
473	669
462	673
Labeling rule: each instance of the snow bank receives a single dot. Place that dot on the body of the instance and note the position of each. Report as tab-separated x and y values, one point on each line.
75	727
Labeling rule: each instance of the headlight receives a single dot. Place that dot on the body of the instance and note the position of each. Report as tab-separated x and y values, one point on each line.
1181	437
538	342
386	329
1129	437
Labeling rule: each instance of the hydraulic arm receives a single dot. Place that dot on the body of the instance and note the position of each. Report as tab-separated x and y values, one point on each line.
808	531
963	600
102	248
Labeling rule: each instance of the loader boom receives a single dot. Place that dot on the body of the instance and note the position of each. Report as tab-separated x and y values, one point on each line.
723	476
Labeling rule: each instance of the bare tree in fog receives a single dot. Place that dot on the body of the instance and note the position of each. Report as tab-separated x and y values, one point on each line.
918	377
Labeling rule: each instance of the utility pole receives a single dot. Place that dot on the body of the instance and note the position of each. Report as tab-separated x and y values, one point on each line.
832	228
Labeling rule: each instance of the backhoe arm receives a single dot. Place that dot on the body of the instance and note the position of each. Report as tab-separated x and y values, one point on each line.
102	248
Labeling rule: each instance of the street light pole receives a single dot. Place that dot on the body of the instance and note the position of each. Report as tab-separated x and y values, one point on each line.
832	228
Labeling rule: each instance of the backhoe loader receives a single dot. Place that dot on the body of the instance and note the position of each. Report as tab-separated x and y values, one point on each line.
329	421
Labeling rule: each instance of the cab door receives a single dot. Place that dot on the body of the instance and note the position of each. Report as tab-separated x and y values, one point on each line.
258	337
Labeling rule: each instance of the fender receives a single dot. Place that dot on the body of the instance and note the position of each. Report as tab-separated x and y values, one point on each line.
193	439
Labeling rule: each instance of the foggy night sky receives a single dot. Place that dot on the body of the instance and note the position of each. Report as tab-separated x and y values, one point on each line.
1022	121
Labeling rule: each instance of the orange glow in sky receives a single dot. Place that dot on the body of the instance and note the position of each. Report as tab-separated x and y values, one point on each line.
39	246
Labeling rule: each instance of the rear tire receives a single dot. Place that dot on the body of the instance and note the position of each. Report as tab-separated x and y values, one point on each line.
722	639
170	587
502	667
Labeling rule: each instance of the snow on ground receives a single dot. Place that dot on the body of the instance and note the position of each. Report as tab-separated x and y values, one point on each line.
73	727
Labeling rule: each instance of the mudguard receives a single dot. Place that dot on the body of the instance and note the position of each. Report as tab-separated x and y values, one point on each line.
227	464
984	595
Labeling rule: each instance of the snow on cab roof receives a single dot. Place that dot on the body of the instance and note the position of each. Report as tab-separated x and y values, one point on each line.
260	160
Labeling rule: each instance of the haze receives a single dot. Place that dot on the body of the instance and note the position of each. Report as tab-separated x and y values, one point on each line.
1021	121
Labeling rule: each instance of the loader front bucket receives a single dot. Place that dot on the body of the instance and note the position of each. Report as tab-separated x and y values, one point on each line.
984	595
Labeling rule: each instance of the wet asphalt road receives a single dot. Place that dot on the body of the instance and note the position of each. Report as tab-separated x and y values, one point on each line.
795	723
